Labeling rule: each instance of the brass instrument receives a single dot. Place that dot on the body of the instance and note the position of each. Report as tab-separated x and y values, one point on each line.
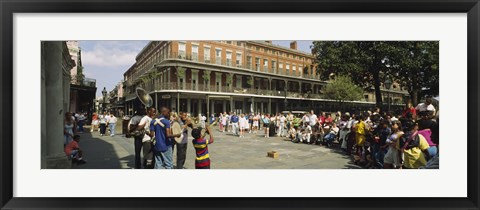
194	122
144	97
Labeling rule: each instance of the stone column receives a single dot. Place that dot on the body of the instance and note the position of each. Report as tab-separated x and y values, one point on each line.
224	106
269	108
53	110
189	110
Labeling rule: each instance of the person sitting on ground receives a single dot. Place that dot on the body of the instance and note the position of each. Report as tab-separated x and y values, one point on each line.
298	135
291	133
307	133
331	135
73	151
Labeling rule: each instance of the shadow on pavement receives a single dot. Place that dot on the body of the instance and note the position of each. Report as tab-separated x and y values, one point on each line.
98	153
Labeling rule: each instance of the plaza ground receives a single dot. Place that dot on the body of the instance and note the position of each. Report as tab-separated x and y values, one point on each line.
227	152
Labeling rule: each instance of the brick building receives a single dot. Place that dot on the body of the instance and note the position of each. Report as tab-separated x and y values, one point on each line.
227	76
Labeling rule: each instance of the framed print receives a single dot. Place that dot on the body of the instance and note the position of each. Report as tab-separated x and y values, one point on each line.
289	104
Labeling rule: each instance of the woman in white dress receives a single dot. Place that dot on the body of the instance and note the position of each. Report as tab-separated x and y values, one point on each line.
255	123
243	124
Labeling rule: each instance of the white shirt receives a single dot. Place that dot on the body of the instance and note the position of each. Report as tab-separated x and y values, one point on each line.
313	119
203	119
112	120
146	121
308	130
282	119
424	107
334	130
81	117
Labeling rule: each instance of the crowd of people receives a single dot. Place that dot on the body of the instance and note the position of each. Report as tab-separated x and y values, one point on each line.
407	139
154	135
393	140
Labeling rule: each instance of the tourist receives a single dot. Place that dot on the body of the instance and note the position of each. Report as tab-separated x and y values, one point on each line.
360	129
234	121
307	133
266	125
409	111
282	127
392	157
250	122
68	128
255	123
103	124
331	135
73	151
81	121
243	123
160	128
224	122
146	142
289	120
305	119
112	121
414	147
182	146
94	125
136	129
200	143
427	106
313	118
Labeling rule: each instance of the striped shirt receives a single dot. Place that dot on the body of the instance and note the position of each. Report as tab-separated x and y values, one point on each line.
202	159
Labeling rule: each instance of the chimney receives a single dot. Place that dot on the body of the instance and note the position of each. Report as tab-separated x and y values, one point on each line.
293	45
269	42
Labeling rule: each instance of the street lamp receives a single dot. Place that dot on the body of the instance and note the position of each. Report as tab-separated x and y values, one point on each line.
388	85
104	93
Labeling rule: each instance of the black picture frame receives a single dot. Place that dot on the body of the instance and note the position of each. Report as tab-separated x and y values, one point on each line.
10	7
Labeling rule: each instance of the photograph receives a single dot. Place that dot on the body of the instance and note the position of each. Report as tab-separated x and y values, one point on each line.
240	104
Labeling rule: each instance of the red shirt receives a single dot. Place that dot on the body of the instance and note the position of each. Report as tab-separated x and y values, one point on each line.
411	110
73	145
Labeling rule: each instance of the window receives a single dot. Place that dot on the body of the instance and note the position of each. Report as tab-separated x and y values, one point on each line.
238	59
274	66
257	64
257	48
206	54
218	56
180	85
229	42
239	43
265	65
287	69
194	84
195	52
280	67
366	97
249	62
181	50
229	58
294	70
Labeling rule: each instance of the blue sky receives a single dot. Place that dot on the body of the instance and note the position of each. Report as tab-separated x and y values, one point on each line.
106	61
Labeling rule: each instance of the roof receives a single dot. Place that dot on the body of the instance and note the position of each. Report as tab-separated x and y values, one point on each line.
282	47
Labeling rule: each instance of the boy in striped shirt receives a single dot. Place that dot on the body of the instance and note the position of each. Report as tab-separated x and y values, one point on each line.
200	143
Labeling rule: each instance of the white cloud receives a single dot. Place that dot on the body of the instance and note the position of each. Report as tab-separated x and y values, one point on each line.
111	53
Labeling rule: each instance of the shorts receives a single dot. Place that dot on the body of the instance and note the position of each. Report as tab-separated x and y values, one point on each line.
392	157
266	125
255	124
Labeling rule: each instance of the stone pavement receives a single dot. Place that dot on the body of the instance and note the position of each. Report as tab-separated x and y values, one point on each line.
227	152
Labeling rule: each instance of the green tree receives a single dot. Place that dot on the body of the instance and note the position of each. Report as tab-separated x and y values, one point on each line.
416	67
343	89
363	61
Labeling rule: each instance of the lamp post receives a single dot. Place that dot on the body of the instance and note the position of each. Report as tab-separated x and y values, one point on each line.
388	85
104	93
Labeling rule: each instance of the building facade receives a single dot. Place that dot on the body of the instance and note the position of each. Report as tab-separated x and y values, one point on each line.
82	90
217	76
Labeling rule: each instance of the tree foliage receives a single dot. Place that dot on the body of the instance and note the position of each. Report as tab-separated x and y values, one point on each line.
416	66
367	63
343	89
